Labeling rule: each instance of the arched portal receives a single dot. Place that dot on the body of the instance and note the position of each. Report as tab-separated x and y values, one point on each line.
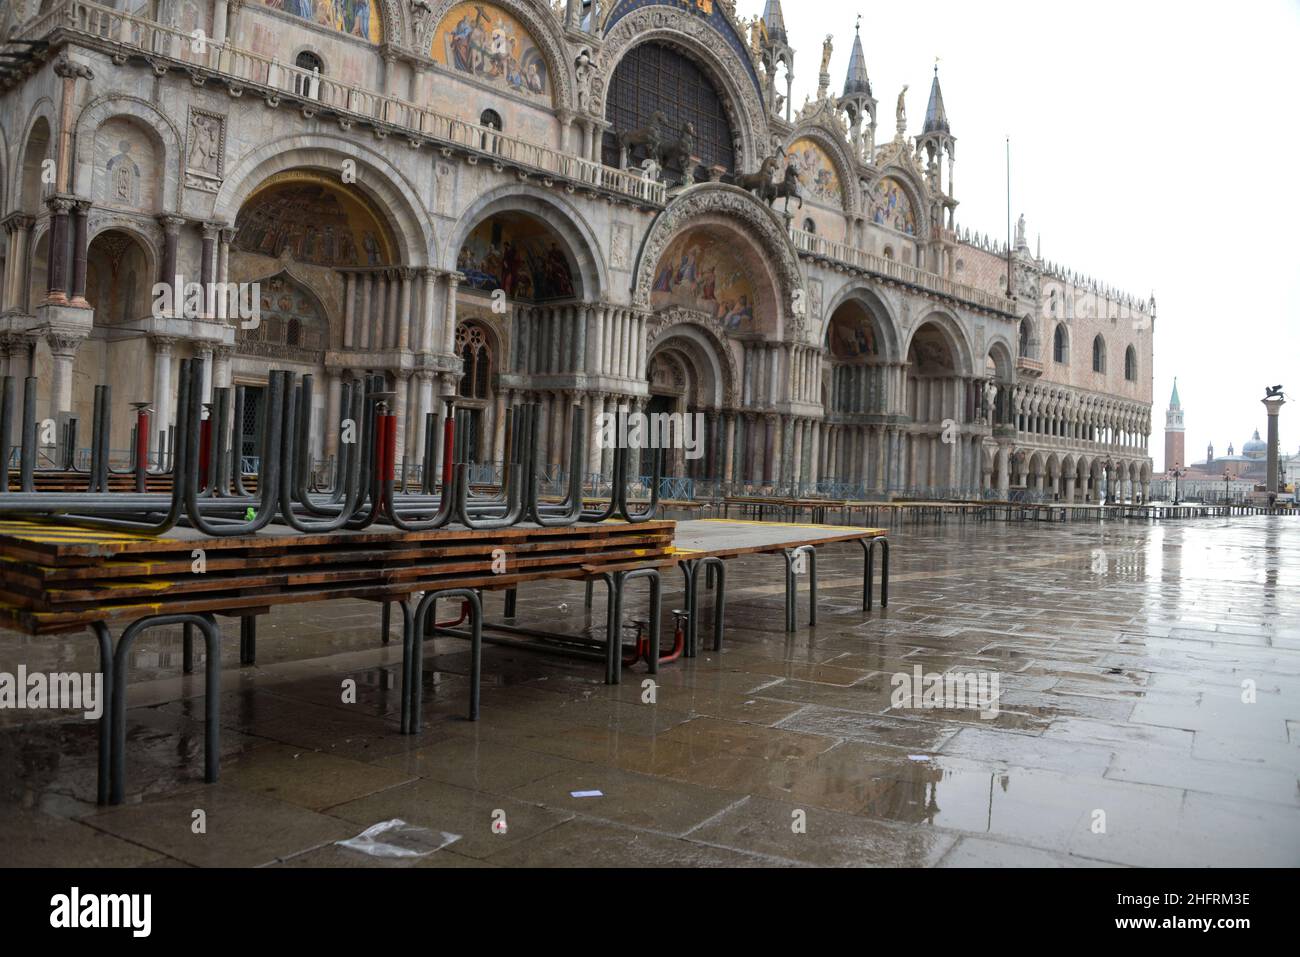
530	277
941	401
322	262
25	259
717	275
120	269
857	380
688	376
994	400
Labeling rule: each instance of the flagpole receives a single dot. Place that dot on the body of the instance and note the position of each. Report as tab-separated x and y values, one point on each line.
1009	296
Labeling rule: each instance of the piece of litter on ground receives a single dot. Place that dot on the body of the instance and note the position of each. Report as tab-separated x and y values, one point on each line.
586	794
399	839
918	757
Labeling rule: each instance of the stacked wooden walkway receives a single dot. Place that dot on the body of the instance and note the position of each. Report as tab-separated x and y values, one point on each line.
59	579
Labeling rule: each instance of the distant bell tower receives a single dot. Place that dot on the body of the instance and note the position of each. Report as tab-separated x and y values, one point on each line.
1174	432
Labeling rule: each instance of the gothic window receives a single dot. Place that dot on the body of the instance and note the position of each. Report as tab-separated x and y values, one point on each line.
472	346
308	84
1099	354
1061	346
1131	364
809	226
1026	341
654	77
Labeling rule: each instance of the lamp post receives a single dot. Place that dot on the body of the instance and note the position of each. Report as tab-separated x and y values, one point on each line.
1176	473
1227	477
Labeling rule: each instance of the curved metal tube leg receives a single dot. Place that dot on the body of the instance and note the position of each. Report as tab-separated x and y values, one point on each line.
248	640
408	639
106	717
426	613
211	704
711	567
868	571
614	616
884	572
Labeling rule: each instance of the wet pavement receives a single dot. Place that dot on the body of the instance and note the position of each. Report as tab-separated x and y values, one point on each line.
1148	713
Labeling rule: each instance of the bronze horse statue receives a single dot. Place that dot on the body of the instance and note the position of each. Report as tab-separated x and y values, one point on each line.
759	182
651	137
789	186
677	155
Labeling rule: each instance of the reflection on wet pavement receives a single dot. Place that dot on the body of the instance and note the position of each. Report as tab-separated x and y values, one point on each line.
1148	714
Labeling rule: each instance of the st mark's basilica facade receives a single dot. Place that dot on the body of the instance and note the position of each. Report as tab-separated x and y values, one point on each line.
600	206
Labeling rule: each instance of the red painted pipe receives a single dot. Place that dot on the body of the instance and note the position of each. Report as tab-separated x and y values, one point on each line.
142	439
386	447
642	651
464	616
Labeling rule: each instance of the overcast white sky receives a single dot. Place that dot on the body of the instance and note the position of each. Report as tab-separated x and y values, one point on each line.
1153	146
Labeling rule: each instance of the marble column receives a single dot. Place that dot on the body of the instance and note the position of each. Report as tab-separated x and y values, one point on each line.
595	408
449	314
162	387
333	411
361	332
17	262
80	244
203	352
401	407
56	260
63	349
224	310
349	310
428	312
424	405
171	241
405	319
728	447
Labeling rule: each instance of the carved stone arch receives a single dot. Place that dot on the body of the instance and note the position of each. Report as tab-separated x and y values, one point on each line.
880	309
913	185
563	217
1005	358
398	26
754	218
947	323
41	109
147	235
160	127
703	332
837	148
540	22
382	183
721	63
